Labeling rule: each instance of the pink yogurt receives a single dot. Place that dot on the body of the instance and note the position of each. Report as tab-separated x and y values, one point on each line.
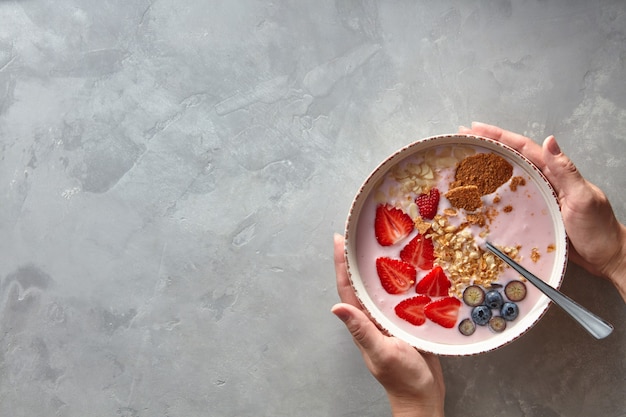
529	225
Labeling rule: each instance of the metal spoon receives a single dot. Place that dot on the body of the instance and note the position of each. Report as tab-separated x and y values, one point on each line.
596	326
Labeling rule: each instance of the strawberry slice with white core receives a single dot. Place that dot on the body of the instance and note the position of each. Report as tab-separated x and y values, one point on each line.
391	225
412	309
396	276
444	311
419	252
435	283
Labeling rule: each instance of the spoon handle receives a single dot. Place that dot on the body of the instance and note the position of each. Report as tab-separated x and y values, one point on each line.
596	326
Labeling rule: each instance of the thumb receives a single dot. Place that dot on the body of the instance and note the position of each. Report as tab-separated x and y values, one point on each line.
561	171
363	330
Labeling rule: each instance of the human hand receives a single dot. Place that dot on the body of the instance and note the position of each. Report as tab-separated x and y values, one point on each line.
597	239
413	380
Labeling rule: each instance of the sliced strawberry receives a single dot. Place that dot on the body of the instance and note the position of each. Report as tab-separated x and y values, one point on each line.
412	309
391	225
396	276
443	311
428	203
419	252
435	283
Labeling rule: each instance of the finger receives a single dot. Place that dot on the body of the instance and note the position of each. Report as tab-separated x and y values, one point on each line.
344	288
520	143
363	330
561	171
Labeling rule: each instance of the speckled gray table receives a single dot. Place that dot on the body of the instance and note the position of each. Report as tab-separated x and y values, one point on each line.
171	174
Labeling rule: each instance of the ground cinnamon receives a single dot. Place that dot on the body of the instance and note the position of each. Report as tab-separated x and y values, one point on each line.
487	171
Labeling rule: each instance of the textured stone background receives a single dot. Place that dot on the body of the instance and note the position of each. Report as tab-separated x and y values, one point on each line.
171	173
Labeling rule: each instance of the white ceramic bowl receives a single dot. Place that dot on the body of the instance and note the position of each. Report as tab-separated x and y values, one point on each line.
380	311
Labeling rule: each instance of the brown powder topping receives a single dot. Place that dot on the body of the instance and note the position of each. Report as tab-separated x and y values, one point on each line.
487	171
508	209
465	197
478	219
551	248
517	181
491	213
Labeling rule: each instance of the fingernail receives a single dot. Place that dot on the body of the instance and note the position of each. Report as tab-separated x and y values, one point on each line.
552	145
341	314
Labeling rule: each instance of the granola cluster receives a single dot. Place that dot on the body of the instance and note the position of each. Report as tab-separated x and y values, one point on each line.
463	260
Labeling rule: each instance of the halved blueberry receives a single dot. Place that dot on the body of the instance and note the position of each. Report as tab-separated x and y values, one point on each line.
515	290
467	327
473	295
497	324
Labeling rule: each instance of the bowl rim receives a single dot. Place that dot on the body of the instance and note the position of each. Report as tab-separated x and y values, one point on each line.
530	319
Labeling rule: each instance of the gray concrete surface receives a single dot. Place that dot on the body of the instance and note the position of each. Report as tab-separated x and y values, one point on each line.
171	173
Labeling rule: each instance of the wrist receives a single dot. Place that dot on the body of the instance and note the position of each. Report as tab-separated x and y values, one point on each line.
411	407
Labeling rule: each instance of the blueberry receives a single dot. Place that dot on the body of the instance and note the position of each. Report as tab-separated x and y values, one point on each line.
481	315
509	311
494	300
